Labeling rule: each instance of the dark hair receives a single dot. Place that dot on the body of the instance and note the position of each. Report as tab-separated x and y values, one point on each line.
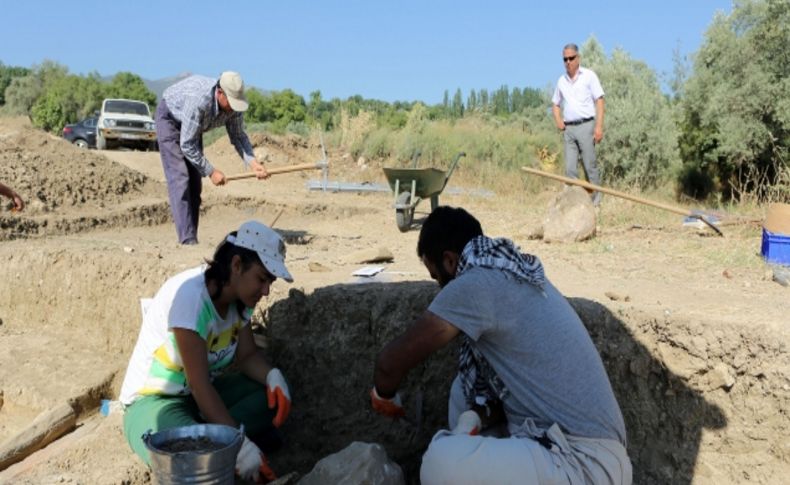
219	266
446	229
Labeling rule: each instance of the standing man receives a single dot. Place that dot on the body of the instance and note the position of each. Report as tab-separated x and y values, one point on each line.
526	361
188	109
580	96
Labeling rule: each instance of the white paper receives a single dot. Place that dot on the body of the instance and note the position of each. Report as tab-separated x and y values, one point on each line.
368	271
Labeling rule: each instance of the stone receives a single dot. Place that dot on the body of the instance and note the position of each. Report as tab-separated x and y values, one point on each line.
316	267
357	464
720	377
570	217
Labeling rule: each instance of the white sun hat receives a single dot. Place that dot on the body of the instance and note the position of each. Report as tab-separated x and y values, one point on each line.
267	243
233	87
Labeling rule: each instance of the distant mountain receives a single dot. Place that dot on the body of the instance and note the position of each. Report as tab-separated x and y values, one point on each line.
158	86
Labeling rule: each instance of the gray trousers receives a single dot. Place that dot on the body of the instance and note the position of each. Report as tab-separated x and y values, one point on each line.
184	182
579	140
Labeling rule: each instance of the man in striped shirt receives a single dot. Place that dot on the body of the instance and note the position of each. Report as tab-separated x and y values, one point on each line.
188	109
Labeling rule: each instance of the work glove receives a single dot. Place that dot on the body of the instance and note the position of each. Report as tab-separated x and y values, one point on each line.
277	393
252	465
468	423
388	407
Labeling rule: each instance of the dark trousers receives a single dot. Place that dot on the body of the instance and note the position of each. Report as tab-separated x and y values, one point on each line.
184	182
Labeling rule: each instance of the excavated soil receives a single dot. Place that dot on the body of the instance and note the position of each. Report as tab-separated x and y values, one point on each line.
691	328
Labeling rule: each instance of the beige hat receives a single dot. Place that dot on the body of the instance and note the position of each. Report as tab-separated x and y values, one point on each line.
233	87
267	243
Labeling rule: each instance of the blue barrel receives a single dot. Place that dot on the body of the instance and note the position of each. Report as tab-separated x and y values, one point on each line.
215	466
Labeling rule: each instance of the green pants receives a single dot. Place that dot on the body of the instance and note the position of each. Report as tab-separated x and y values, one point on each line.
244	398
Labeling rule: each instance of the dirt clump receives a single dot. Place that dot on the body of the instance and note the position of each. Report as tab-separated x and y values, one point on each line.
66	189
200	444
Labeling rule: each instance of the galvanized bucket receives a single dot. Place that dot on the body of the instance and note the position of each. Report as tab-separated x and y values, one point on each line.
216	466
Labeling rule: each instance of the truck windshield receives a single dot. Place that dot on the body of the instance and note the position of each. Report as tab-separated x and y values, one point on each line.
132	107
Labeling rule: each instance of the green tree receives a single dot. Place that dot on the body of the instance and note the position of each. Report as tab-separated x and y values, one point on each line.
7	74
320	111
501	101
640	136
736	105
483	100
471	104
126	85
22	93
457	107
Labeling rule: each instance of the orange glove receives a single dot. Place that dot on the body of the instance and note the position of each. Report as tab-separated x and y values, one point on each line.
387	407
277	393
266	472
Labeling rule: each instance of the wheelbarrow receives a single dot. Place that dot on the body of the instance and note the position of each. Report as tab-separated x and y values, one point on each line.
411	185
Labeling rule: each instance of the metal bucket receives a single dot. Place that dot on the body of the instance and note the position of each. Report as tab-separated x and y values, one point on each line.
205	467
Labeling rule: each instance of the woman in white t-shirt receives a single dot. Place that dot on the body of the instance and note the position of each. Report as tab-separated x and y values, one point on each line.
195	359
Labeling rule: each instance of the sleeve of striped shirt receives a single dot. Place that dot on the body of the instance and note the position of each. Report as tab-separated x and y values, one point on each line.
191	136
239	139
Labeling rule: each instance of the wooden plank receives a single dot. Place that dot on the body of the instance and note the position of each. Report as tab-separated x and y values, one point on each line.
46	428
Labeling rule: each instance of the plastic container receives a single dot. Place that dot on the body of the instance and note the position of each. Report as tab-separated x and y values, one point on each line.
215	467
776	247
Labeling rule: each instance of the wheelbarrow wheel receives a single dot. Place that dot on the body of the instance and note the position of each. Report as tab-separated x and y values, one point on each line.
404	217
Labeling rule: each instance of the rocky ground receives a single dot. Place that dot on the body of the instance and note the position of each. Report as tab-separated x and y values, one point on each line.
692	328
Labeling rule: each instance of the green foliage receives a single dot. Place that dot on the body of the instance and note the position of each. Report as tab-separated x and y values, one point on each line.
640	136
52	97
126	85
7	74
279	108
21	93
736	104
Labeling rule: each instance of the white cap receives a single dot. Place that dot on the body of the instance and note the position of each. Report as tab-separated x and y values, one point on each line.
267	243
233	87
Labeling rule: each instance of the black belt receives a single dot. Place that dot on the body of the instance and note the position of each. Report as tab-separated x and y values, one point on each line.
578	122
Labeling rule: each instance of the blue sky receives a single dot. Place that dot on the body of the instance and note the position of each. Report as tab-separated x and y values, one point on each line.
405	50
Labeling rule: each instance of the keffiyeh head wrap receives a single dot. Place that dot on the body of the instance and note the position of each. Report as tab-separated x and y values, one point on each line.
480	382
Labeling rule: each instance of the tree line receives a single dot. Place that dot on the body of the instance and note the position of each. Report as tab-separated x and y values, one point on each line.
723	131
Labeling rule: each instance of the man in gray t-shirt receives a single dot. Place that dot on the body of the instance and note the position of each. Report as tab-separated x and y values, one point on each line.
526	361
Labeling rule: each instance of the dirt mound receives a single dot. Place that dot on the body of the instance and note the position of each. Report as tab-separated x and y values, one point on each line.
326	344
684	392
59	180
288	149
55	174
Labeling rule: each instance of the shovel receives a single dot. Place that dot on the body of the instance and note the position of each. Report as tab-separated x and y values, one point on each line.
623	195
321	165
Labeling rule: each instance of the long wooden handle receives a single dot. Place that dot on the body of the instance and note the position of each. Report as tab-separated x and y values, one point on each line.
587	185
623	195
276	170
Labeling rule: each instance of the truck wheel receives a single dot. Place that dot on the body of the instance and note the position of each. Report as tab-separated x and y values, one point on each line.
101	142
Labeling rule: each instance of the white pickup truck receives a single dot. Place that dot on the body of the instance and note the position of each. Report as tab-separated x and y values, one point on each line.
125	122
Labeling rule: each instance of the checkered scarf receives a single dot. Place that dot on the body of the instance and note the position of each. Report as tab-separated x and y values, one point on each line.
480	382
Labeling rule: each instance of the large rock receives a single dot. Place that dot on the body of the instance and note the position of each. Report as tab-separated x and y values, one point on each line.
570	217
357	464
